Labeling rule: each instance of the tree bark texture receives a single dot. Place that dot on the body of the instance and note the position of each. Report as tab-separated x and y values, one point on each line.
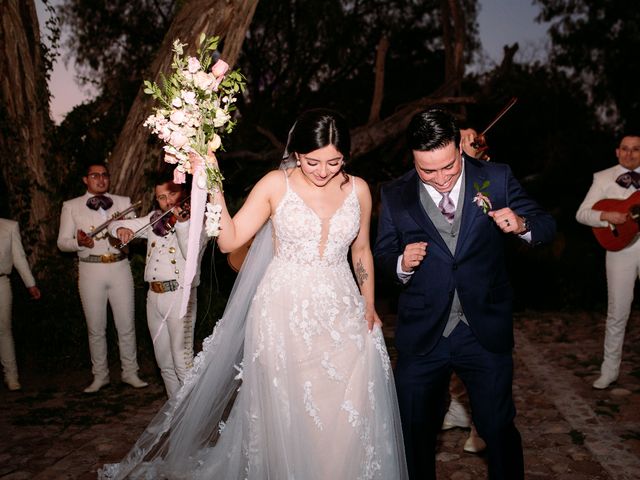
378	90
454	40
135	153
24	124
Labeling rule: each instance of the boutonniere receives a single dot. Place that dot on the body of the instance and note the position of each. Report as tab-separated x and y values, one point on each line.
482	199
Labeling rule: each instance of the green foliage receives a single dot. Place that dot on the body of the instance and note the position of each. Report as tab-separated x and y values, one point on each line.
597	42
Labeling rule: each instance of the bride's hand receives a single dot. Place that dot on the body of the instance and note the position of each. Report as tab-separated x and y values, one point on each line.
372	318
211	158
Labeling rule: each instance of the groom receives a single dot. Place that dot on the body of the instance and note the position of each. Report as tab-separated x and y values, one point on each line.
441	234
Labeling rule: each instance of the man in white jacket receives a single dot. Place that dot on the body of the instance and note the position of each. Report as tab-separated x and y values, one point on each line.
623	266
167	240
104	275
11	255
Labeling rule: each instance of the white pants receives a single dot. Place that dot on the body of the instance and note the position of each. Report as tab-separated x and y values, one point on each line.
173	337
100	283
7	350
623	268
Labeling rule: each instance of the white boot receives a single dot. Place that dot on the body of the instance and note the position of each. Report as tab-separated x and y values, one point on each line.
12	383
474	444
604	380
97	384
456	416
134	381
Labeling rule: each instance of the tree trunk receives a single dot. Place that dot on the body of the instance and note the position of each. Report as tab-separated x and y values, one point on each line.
454	40
135	153
25	123
378	90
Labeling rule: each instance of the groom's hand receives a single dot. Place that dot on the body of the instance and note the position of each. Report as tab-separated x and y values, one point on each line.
413	255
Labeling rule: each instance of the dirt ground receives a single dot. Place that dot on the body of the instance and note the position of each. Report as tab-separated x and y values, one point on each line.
51	430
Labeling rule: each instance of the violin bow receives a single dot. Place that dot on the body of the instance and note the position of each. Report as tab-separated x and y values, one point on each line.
149	225
117	216
500	114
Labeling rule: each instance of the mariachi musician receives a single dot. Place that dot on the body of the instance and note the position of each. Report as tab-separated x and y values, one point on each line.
622	265
166	230
104	275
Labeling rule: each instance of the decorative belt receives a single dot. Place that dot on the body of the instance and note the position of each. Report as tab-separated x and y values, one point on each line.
163	287
106	258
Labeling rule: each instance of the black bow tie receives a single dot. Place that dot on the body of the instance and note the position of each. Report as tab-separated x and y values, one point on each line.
629	178
99	201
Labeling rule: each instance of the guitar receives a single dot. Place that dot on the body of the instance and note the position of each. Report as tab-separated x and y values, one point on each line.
616	237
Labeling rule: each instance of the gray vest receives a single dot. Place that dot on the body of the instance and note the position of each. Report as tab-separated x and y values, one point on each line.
449	233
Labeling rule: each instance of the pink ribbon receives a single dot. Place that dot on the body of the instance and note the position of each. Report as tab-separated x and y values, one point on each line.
198	202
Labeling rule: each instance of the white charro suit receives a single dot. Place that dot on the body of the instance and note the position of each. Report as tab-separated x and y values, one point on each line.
11	255
165	263
623	267
100	283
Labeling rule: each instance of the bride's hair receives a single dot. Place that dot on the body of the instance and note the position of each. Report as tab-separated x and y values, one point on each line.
318	128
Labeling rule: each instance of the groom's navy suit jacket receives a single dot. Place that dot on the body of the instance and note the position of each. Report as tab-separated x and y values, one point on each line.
476	269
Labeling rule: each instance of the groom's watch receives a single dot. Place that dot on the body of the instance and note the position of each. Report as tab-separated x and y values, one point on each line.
526	225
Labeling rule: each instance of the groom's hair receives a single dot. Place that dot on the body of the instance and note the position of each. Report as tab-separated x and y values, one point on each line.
432	129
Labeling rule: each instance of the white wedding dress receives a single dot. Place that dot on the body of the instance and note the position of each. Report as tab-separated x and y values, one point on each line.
317	398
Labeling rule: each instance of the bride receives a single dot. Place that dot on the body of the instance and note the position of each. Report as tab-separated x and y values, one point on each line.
295	381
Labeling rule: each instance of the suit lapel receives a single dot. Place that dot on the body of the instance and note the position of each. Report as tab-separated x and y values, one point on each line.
471	212
411	202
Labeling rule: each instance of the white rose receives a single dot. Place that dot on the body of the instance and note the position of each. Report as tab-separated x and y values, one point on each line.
178	117
221	118
193	65
215	142
178	139
188	97
203	80
176	102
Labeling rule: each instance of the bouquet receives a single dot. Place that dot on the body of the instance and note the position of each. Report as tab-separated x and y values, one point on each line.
194	112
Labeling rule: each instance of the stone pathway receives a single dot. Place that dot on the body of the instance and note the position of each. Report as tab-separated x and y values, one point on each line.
570	431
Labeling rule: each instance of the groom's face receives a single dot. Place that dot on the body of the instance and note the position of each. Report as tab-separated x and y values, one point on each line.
439	168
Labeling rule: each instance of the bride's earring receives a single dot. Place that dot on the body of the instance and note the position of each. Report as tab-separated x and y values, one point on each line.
298	162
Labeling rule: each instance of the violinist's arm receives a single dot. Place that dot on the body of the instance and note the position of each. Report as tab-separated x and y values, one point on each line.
468	138
117	228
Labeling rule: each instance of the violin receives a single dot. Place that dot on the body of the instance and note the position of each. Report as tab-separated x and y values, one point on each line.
480	143
164	222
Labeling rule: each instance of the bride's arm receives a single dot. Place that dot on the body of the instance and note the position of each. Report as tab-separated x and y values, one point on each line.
361	255
236	231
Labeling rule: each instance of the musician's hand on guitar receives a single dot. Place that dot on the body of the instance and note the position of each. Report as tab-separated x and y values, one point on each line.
83	239
614	218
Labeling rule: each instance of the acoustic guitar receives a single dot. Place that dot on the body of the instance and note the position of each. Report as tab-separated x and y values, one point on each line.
616	237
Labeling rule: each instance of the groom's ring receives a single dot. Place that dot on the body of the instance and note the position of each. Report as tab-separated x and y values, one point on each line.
506	221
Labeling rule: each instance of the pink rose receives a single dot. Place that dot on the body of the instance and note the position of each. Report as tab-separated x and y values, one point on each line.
219	68
178	176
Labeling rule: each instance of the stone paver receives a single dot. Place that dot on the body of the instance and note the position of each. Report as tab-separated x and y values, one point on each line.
570	431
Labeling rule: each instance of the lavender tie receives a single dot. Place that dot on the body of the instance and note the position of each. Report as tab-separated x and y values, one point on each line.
447	207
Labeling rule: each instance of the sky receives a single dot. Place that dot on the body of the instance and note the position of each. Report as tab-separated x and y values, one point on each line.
501	22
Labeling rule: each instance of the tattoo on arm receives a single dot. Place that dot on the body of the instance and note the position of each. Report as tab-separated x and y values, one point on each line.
361	273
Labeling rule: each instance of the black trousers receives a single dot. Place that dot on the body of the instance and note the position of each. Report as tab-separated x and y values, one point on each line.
422	383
